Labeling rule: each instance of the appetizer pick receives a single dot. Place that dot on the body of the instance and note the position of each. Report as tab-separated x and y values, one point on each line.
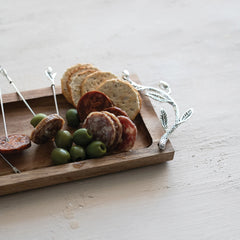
15	143
49	126
5	74
3	116
13	168
51	76
12	143
46	127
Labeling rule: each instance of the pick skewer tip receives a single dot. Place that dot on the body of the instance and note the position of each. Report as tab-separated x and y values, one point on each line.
126	73
10	165
4	72
16	170
51	76
49	70
3	116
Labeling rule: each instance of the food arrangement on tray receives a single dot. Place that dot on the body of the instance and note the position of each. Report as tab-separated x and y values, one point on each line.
105	122
103	125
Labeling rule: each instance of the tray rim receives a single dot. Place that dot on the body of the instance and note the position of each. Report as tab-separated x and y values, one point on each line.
51	175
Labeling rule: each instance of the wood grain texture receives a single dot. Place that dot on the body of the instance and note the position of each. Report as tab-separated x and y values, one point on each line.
28	95
192	45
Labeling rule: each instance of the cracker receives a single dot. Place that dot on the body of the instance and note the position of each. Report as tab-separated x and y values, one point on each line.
94	80
81	69
66	77
75	83
123	95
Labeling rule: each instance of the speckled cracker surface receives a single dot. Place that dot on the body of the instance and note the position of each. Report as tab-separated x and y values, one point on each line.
65	79
75	83
123	95
94	80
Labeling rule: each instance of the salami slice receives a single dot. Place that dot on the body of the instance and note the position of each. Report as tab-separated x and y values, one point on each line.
92	101
116	111
101	127
15	143
129	134
47	129
118	127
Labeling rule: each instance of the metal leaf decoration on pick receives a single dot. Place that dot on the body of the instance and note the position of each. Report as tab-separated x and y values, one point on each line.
164	118
156	97
162	94
187	115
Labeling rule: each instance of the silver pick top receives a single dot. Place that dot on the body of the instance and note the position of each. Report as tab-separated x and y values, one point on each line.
51	76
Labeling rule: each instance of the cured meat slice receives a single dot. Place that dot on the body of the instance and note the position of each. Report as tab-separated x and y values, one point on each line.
118	127
15	143
116	111
101	127
129	134
92	101
47	129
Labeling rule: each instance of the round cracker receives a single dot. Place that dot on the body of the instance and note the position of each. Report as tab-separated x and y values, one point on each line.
75	83
94	80
123	95
66	77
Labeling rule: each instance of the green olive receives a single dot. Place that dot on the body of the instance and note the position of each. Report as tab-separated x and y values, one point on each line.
37	119
82	137
63	139
60	156
72	118
96	149
77	153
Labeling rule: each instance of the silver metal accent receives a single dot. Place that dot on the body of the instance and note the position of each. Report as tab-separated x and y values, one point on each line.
13	168
164	86
5	74
161	94
3	116
164	119
50	75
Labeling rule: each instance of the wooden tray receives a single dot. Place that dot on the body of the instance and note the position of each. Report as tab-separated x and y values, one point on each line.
35	163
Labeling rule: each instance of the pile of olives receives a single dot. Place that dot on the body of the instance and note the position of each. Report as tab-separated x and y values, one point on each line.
77	146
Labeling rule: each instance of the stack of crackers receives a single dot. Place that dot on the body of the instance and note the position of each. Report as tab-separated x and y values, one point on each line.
83	78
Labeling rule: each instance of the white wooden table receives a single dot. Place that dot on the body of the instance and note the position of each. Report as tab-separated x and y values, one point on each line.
195	47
